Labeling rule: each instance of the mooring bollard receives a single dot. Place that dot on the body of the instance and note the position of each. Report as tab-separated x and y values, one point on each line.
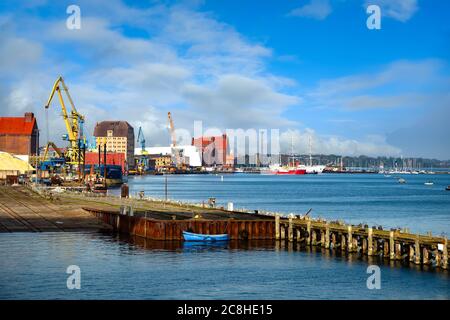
277	227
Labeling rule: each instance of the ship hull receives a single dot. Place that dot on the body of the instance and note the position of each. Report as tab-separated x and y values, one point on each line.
291	172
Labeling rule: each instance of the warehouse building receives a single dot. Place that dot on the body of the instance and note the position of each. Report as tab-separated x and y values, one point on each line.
162	155
19	135
118	137
213	150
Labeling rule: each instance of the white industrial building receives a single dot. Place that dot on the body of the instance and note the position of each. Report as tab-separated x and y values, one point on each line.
188	152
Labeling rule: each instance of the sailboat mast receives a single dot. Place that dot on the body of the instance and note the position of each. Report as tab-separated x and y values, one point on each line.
310	151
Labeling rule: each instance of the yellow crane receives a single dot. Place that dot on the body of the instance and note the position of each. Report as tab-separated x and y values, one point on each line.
73	121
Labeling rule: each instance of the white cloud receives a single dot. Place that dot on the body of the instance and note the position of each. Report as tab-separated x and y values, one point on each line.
401	10
399	84
371	146
240	102
317	9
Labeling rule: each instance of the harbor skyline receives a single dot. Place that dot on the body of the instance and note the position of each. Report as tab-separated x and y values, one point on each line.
226	158
134	62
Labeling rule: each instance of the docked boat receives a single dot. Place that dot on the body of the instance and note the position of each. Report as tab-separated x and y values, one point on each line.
284	170
312	169
189	236
114	175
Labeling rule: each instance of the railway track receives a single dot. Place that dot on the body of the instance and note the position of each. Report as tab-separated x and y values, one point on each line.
29	206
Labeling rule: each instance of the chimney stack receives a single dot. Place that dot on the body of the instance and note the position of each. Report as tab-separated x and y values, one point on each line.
29	116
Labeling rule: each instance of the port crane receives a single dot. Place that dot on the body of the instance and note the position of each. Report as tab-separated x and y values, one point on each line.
73	121
141	140
142	163
175	152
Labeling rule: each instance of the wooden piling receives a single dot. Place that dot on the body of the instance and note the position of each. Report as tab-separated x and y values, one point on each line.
277	227
411	253
283	232
385	249
444	263
327	235
391	246
322	238
370	241
308	230
290	230
313	237
398	251
343	244
350	239
425	259
417	251
333	240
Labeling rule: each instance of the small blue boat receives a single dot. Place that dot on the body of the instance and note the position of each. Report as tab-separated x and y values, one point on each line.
189	236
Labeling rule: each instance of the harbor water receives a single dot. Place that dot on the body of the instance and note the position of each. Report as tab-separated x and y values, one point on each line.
355	198
33	265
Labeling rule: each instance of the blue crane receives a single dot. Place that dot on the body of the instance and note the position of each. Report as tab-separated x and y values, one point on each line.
141	140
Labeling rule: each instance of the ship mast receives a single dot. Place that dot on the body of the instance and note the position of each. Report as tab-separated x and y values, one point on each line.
310	152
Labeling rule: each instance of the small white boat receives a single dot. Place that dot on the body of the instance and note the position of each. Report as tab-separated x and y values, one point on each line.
401	180
429	183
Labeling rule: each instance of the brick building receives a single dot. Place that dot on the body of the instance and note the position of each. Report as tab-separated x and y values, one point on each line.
118	136
19	135
213	150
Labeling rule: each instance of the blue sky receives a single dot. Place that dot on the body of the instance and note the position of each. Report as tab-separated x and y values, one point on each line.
310	68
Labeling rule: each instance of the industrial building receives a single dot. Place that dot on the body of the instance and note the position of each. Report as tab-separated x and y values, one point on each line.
118	137
19	135
190	154
213	149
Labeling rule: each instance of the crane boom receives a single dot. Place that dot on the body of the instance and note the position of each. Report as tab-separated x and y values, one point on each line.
73	121
175	151
172	130
141	139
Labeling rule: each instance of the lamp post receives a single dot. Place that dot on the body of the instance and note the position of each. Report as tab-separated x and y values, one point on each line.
37	155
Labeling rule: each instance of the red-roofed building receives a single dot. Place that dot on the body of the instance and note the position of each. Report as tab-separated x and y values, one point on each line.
19	135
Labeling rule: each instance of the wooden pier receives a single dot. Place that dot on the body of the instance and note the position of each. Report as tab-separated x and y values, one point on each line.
394	245
22	209
146	226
